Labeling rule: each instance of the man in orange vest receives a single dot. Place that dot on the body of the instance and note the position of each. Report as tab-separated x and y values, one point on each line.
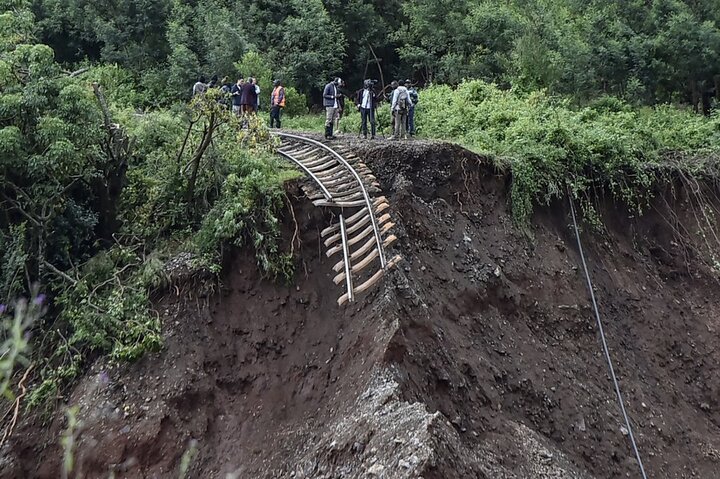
277	103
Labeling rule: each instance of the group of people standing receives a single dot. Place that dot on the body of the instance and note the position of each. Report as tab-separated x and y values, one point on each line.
403	99
243	97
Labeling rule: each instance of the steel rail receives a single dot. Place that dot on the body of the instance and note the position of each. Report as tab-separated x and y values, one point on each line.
346	255
366	196
325	192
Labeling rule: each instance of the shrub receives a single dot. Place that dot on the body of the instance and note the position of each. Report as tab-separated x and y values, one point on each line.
550	146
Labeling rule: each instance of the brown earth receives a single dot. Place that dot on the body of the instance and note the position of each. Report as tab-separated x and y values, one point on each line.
478	357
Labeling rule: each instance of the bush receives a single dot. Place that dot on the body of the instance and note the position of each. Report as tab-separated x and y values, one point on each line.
295	103
550	146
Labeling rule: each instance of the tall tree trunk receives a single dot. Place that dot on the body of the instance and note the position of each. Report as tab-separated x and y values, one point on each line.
695	94
108	189
195	162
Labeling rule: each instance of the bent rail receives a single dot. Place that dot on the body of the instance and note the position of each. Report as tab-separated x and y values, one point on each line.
341	180
357	177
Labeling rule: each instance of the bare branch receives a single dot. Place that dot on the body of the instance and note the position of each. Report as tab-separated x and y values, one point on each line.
64	276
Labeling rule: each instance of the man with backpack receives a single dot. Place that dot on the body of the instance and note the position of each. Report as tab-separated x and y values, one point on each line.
366	101
400	106
277	103
414	98
330	101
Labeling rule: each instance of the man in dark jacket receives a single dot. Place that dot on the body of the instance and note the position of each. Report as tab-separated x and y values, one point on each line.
366	101
248	99
330	101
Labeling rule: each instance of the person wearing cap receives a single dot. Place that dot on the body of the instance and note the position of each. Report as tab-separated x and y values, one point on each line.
414	98
366	101
330	102
277	103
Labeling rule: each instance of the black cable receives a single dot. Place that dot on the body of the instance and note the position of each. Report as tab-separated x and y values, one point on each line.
604	342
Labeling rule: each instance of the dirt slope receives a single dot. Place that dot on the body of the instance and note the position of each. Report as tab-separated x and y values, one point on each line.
477	358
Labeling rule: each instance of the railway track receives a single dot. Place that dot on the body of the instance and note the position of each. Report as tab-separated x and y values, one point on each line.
340	180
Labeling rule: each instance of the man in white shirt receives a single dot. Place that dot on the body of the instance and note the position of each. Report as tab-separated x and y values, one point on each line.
366	101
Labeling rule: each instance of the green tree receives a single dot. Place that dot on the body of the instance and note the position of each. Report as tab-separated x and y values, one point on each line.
687	56
131	32
221	39
252	64
49	156
183	63
307	46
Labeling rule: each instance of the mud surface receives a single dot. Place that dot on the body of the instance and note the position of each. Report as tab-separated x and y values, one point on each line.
478	357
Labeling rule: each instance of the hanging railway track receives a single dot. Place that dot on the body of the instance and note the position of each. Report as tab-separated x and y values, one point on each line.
340	180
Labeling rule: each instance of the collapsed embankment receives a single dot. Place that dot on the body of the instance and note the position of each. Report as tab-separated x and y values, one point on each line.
477	357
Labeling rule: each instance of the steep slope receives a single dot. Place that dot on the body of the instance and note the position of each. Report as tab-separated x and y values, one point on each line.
477	357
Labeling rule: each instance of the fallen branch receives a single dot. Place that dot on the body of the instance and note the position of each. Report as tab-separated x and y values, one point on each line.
64	276
16	413
77	72
295	233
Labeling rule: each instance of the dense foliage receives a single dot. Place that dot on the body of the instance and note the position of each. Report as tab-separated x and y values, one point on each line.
645	51
95	196
548	145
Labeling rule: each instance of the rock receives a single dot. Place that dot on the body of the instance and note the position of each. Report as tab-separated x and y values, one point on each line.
497	271
403	464
546	457
624	431
581	425
705	406
376	469
357	447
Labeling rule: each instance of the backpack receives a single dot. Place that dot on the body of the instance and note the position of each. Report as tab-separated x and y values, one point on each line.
414	96
403	102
